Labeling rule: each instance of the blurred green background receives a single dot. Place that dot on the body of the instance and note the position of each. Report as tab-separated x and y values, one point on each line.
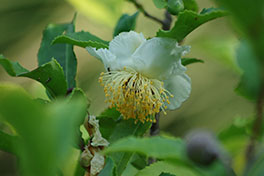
212	104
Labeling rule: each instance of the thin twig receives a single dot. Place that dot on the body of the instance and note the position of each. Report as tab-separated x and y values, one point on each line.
155	130
167	21
141	9
250	152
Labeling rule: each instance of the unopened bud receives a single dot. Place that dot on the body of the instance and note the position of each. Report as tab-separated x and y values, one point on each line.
175	6
202	147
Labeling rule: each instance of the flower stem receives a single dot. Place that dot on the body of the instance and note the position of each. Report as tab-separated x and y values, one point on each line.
154	131
256	131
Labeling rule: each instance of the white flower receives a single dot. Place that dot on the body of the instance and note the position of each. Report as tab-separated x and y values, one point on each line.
143	76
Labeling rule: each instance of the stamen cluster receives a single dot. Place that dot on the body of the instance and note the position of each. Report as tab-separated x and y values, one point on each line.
134	95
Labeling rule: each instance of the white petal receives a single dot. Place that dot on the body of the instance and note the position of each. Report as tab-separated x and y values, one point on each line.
180	87
158	56
125	44
108	59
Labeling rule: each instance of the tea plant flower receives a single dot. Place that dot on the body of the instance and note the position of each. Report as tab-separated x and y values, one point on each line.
143	77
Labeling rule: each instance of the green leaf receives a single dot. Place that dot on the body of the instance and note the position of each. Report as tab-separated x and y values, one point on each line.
126	128
50	75
82	39
130	170
187	61
78	93
161	166
107	127
250	82
191	5
114	128
188	21
110	113
108	121
256	168
175	6
126	23
158	147
109	168
168	149
45	132
7	142
160	3
139	161
166	174
41	101
12	68
63	53
123	129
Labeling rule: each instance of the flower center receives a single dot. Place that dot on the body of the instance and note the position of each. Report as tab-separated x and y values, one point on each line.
134	95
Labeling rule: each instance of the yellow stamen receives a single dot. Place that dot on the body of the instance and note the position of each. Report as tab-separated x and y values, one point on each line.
134	95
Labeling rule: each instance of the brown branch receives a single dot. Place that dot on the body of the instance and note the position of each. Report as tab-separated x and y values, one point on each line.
167	21
256	131
155	130
141	9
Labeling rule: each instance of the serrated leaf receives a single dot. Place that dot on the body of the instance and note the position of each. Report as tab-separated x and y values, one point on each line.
79	93
41	101
126	23
123	129
166	174
82	39
160	3
63	53
168	149
50	75
161	166
7	142
191	5
187	61
158	147
188	21
114	128
44	131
